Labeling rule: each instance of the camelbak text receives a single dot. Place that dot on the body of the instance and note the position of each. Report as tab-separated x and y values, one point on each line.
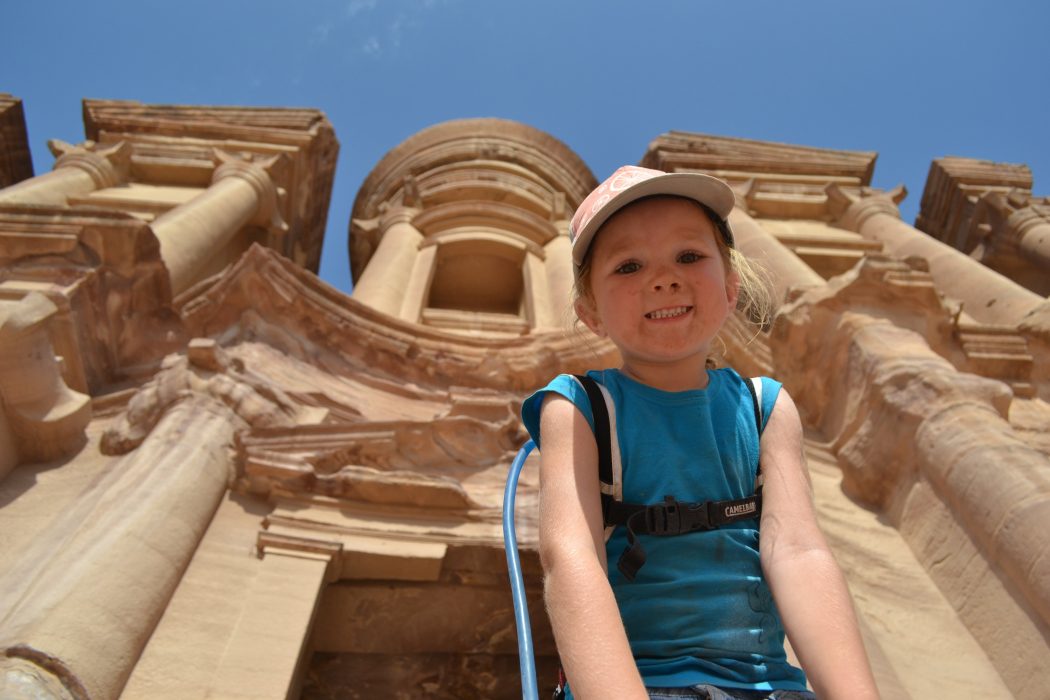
741	509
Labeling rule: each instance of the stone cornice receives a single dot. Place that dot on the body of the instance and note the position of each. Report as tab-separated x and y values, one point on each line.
681	150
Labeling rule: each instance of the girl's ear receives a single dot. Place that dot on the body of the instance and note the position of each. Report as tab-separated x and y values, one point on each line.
732	289
586	312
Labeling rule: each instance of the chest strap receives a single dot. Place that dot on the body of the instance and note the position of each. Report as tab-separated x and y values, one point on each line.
671	517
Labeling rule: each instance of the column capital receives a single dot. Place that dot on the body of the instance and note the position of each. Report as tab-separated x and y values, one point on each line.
850	210
1030	229
258	175
108	166
1023	220
397	214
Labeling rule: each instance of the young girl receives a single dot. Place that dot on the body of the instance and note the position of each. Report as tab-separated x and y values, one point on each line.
658	274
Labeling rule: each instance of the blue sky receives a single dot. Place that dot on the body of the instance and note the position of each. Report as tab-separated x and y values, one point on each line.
913	80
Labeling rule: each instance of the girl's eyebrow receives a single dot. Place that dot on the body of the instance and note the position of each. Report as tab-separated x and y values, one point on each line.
623	249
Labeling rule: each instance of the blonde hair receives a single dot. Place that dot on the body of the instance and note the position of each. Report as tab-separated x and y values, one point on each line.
755	301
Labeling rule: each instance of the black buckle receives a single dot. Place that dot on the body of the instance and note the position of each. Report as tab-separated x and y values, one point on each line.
663	518
697	516
672	517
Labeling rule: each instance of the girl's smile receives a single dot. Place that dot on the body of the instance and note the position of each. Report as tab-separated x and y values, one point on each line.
672	313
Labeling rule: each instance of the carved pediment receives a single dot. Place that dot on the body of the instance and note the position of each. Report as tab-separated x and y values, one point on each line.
267	298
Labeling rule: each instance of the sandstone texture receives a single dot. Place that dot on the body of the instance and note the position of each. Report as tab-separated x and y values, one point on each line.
222	478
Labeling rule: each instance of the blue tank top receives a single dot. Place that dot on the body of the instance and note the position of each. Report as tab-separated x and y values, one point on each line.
700	610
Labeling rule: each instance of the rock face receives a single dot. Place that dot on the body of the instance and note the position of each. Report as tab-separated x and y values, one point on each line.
223	478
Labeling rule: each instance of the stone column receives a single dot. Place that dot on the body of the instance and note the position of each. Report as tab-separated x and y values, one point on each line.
1032	229
82	602
388	275
538	305
986	295
415	294
45	418
786	269
194	237
560	277
78	170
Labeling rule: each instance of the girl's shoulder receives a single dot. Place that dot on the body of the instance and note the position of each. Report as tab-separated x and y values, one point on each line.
565	385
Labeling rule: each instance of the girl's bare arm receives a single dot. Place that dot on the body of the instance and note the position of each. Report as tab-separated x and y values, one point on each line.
807	584
583	612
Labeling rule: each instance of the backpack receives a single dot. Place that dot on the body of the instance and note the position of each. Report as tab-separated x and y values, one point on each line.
671	517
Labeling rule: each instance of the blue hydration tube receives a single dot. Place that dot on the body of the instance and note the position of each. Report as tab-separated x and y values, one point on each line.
517	583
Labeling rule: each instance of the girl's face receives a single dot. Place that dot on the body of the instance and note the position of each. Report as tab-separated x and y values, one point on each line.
659	285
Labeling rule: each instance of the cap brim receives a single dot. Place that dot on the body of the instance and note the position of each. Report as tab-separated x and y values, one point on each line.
705	189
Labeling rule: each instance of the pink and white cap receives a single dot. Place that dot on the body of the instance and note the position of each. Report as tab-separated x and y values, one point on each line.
630	183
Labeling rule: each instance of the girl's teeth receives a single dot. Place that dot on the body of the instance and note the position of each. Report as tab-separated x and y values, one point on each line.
668	313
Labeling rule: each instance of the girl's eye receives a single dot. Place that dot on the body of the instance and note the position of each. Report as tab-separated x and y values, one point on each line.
689	257
627	268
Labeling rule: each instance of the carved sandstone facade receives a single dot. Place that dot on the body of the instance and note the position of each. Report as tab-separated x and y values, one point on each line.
223	478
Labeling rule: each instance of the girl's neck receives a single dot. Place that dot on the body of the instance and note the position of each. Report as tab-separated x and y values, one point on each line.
669	376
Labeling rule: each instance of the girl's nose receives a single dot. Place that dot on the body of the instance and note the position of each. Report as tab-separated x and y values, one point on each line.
665	279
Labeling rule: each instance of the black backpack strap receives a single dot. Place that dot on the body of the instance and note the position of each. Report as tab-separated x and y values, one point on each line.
674	517
754	386
603	437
